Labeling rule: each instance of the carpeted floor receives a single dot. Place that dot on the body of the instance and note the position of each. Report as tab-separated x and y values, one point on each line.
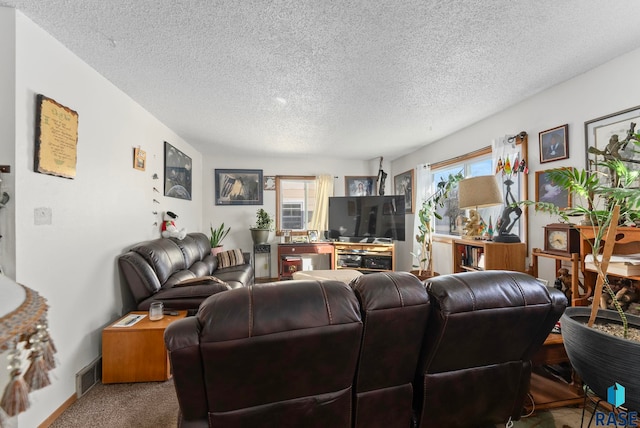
134	405
154	405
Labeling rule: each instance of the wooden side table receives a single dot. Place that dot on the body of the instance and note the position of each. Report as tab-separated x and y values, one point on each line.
137	353
552	393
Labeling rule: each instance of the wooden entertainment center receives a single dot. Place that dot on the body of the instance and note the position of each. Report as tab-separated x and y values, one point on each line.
365	257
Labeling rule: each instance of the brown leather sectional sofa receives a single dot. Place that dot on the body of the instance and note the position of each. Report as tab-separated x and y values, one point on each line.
384	351
154	271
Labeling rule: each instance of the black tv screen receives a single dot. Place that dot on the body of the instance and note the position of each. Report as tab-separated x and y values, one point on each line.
367	217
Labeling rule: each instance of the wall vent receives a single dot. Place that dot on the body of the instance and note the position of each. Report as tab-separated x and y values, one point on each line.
88	377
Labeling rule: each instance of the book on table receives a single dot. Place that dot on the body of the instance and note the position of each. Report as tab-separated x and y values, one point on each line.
619	264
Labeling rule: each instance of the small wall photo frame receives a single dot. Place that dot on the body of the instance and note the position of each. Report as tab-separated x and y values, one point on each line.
238	186
403	185
554	144
269	182
547	191
139	159
360	186
56	145
177	173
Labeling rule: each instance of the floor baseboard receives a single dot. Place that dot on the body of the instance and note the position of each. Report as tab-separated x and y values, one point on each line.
47	422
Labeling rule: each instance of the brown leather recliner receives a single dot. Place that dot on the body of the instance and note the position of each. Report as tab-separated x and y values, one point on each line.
483	329
268	355
394	310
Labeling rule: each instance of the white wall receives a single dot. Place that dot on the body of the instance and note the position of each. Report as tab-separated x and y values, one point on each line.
7	137
97	215
607	89
241	217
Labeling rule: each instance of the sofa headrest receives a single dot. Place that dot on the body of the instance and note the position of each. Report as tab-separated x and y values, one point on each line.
163	255
389	290
473	291
279	307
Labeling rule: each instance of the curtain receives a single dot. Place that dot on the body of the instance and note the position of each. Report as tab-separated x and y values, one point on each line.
324	189
423	191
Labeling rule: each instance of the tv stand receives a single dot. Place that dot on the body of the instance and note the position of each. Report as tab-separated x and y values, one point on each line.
365	257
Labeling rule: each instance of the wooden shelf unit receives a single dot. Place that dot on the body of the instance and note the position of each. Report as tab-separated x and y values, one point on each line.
496	255
627	242
577	298
381	253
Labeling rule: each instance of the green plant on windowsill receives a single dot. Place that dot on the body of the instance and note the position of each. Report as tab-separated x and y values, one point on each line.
217	235
426	216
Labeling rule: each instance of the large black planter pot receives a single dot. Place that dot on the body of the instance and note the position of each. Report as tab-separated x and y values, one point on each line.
601	359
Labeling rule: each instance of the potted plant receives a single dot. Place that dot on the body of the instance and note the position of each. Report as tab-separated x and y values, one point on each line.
600	358
261	230
426	216
217	235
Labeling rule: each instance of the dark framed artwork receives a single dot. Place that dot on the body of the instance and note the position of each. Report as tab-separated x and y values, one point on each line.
547	191
403	185
177	173
606	138
359	186
56	145
238	186
554	144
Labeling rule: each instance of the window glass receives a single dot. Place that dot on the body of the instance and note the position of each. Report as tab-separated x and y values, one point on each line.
296	202
453	218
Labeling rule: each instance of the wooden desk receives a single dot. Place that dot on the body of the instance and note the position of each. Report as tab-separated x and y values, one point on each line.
550	392
137	353
285	271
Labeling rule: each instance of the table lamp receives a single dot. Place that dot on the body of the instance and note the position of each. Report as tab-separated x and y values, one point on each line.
477	192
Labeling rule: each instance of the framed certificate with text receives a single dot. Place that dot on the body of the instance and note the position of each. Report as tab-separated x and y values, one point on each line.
56	145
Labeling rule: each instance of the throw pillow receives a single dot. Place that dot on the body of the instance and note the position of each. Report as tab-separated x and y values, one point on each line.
230	258
203	280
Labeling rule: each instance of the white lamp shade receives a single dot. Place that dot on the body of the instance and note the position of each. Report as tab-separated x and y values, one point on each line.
479	192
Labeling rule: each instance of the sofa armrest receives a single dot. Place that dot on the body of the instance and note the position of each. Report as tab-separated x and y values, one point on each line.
182	339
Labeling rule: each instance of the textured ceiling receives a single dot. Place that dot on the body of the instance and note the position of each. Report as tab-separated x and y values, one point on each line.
357	79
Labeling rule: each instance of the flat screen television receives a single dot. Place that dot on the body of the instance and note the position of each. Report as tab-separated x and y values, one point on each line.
365	218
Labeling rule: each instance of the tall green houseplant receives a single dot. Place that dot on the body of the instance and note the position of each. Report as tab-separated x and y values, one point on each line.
426	216
608	199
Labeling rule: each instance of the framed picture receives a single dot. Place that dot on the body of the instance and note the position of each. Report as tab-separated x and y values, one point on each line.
238	186
177	173
300	239
403	185
554	144
359	186
313	235
139	159
606	138
56	145
269	182
547	191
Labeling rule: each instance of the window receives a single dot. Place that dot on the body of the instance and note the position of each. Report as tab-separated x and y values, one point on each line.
452	221
295	196
292	215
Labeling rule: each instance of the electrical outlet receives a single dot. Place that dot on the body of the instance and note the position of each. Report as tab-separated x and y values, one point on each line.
42	216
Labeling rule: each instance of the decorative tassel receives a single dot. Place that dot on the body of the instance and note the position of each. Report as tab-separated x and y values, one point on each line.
47	355
16	396
46	347
36	376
